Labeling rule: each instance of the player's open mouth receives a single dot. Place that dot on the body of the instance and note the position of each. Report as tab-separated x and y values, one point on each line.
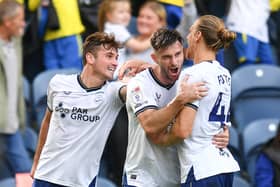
174	70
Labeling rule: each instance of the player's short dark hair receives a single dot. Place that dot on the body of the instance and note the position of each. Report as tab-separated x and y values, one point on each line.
94	41
164	37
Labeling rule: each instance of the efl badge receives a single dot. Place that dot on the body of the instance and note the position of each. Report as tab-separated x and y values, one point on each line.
137	97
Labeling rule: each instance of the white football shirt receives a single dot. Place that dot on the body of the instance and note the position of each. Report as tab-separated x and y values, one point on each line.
148	164
80	124
197	150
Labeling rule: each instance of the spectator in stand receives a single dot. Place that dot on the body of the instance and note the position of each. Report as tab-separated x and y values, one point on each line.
268	163
189	16
174	11
114	17
151	17
274	27
11	90
62	44
173	8
89	16
252	42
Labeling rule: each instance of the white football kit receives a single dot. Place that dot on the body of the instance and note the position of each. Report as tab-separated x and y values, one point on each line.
148	164
197	150
80	124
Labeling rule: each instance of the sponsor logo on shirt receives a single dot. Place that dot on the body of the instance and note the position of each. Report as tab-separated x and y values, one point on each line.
76	113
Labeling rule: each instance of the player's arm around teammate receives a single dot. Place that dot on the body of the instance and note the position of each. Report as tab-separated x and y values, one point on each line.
153	124
181	126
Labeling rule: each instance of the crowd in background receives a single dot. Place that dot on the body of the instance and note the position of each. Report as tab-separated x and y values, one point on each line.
55	30
42	46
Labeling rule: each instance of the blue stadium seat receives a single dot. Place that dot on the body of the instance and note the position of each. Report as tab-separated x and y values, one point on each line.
5	168
234	146
30	139
8	182
255	93
39	91
233	138
28	101
104	182
254	136
258	132
238	181
26	89
251	164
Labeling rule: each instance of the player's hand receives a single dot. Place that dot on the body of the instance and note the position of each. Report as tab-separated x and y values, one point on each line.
190	92
131	67
221	140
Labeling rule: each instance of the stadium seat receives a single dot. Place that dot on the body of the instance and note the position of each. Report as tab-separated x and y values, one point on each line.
258	132
30	139
233	138
251	164
104	182
5	169
234	146
255	94
238	181
8	182
39	91
27	100
26	89
254	136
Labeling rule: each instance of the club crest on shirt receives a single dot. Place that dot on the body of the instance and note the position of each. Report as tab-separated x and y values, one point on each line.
157	98
137	97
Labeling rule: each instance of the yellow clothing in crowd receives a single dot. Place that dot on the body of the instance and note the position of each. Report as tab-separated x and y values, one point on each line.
68	15
179	3
275	5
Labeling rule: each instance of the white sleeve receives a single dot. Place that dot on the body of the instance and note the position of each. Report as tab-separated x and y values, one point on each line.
139	97
50	94
116	88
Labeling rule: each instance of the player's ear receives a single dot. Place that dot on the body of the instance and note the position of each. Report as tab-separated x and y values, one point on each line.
154	57
198	35
90	58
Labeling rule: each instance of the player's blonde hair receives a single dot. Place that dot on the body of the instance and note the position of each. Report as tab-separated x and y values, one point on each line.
215	34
